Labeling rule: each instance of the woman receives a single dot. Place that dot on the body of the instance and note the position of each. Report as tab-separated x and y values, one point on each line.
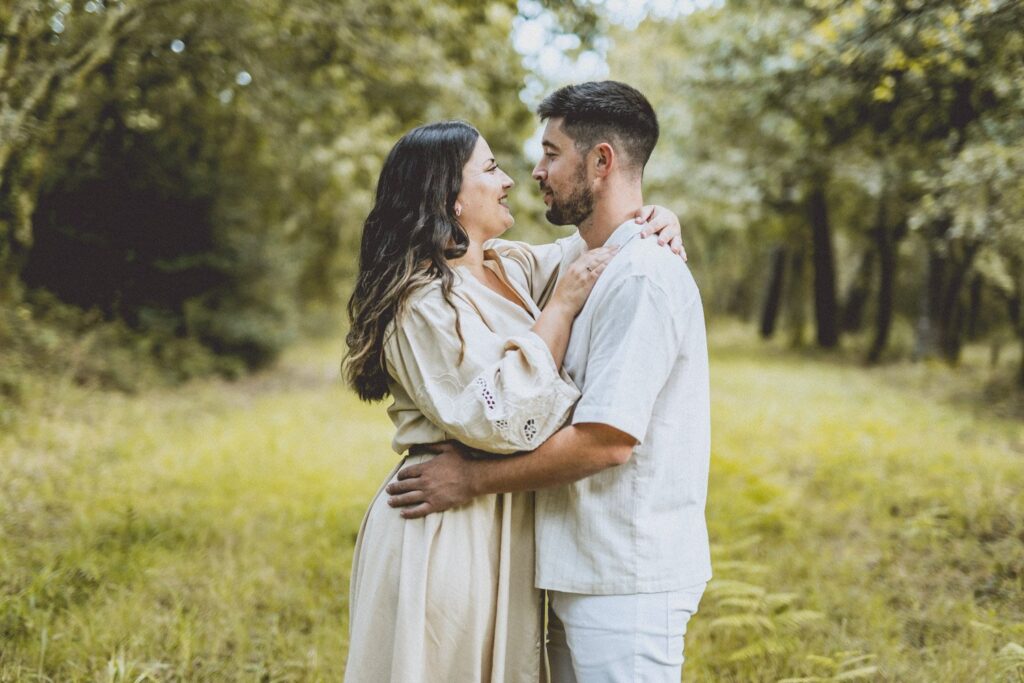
449	330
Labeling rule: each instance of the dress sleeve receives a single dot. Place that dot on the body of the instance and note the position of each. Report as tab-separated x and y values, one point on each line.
506	394
534	266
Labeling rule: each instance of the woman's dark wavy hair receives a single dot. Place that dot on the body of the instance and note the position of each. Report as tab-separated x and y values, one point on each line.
408	237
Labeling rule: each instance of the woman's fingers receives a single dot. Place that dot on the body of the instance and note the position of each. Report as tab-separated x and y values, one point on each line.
605	254
654	225
677	247
597	263
669	233
592	258
645	214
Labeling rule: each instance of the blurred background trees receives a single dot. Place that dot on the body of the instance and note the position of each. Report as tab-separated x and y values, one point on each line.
201	170
195	174
857	159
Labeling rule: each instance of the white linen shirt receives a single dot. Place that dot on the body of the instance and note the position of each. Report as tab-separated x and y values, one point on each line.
638	352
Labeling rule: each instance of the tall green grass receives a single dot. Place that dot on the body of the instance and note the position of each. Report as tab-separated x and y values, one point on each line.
861	529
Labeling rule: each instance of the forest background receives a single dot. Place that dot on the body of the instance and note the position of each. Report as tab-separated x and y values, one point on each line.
182	188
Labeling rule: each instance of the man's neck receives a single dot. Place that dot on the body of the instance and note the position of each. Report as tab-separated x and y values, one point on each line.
609	213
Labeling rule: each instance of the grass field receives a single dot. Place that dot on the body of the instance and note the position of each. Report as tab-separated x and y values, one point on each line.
862	530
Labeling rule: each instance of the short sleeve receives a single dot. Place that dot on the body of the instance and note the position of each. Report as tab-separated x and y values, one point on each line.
504	395
534	266
633	348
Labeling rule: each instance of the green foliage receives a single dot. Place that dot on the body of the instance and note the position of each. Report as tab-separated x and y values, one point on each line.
204	168
43	340
1011	661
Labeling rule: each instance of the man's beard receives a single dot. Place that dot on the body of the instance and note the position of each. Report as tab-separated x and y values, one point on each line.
577	207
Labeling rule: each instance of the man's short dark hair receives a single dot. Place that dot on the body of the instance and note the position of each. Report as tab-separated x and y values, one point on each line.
599	111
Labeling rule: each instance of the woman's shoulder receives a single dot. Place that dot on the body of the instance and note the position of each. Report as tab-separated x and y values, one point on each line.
517	251
427	306
425	292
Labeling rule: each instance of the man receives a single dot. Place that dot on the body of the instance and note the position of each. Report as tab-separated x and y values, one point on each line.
622	545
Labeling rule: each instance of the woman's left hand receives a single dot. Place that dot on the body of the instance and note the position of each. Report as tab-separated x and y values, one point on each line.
663	223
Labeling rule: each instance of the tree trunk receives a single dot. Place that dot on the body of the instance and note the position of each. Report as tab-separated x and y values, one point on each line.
974	308
886	245
826	309
951	312
1015	307
1020	371
773	297
857	296
796	298
925	339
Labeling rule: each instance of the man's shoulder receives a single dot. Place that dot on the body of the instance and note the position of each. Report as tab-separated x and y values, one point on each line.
649	263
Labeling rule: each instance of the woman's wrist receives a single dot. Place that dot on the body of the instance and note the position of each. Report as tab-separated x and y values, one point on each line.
556	307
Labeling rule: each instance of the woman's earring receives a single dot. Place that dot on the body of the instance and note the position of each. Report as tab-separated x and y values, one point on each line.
458	210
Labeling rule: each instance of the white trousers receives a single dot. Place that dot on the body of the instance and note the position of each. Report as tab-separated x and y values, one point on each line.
619	638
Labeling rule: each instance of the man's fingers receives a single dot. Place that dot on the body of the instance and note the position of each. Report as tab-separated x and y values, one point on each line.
410	472
421	510
406	499
403	486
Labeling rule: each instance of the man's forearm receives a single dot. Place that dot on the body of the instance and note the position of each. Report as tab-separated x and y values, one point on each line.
572	453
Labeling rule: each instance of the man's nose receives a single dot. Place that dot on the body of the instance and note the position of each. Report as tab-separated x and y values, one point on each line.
538	172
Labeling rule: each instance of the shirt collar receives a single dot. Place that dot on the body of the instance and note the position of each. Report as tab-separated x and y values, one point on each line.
624	233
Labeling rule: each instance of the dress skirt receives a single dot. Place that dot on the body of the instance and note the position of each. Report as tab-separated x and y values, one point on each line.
448	598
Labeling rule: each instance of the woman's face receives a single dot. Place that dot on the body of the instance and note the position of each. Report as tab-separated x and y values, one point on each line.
484	195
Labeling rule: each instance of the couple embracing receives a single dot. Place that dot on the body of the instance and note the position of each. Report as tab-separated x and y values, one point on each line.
552	405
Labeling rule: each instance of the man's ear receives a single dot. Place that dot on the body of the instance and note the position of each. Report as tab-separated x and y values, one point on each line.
604	160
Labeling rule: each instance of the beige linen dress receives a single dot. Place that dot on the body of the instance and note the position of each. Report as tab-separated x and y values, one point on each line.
450	598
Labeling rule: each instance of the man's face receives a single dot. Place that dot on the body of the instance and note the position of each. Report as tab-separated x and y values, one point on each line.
562	175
